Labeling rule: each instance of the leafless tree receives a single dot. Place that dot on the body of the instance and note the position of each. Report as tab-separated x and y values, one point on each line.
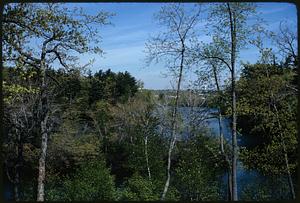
20	121
286	41
172	46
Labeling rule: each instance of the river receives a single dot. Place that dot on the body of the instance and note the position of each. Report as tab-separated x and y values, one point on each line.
245	177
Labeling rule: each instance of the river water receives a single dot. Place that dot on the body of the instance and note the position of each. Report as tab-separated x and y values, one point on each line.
245	177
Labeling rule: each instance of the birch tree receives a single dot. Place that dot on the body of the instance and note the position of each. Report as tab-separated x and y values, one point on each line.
231	33
172	46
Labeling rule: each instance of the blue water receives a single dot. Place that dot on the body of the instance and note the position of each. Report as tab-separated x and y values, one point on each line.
244	176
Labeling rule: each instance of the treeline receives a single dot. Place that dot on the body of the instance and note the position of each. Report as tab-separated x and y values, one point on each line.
188	98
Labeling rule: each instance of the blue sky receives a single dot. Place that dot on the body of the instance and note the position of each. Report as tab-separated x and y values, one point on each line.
133	24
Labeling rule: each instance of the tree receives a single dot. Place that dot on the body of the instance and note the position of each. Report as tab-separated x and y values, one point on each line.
115	87
138	188
20	96
199	169
92	181
72	144
286	42
138	124
172	46
229	28
60	32
211	72
268	105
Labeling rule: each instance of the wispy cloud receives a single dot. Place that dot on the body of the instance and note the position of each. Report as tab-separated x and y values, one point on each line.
133	24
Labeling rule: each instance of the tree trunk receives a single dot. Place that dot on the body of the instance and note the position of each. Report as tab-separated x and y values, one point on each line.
229	179
173	135
232	18
172	144
234	145
16	184
147	158
17	167
43	104
221	136
291	185
42	162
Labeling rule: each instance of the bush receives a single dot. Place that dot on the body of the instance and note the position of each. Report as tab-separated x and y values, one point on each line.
92	181
138	188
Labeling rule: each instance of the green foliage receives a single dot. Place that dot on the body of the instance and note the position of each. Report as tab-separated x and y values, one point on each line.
138	124
17	85
113	87
271	188
139	188
92	181
264	94
70	148
199	169
62	29
105	139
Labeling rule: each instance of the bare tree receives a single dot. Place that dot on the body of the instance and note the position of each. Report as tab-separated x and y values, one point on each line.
286	41
19	119
172	47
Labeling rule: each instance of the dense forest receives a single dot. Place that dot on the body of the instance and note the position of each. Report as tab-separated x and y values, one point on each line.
71	134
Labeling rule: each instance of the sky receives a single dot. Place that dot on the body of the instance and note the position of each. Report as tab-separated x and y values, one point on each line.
133	24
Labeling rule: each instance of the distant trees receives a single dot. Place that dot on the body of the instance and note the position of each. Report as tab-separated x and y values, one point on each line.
116	87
